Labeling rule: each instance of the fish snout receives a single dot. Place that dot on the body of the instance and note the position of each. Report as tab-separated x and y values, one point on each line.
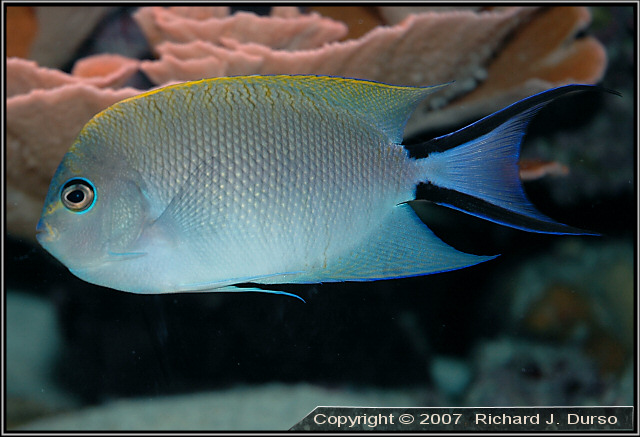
45	233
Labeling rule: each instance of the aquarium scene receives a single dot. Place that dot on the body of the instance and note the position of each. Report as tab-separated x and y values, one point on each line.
331	225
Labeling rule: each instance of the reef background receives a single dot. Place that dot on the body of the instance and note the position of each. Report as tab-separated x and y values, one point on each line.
550	322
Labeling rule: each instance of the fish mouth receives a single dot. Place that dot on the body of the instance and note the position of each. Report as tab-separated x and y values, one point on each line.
45	233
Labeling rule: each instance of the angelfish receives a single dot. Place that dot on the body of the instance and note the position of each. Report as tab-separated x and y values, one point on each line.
203	185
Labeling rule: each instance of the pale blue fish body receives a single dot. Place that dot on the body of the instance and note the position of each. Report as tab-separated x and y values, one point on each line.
265	179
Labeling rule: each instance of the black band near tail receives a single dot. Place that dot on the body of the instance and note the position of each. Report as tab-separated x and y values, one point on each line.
481	208
490	122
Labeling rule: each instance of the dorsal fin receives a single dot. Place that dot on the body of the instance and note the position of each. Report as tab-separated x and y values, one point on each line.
386	106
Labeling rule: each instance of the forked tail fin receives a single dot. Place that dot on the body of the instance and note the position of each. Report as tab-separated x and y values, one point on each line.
475	169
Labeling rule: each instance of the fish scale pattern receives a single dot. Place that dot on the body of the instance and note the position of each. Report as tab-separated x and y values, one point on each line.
250	178
253	173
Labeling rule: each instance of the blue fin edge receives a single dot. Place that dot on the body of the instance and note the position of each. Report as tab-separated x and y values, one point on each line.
475	169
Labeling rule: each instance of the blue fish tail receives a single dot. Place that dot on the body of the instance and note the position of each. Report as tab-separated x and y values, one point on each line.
475	169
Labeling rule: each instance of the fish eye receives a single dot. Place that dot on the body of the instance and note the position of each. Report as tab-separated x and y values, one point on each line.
78	195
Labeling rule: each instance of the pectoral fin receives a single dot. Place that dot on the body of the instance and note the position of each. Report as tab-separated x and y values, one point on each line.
233	288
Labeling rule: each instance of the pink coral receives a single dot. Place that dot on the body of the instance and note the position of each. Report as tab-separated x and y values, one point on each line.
284	29
101	71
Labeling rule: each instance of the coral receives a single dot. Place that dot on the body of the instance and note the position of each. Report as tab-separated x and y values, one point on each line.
285	29
100	71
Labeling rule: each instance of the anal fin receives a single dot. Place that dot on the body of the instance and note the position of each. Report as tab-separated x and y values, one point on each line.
403	246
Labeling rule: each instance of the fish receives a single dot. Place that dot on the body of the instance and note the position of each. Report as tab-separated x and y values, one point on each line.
220	183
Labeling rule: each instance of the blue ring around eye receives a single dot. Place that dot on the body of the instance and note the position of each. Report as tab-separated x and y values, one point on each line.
93	187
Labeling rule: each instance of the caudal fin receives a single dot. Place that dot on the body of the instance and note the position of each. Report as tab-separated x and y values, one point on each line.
475	169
